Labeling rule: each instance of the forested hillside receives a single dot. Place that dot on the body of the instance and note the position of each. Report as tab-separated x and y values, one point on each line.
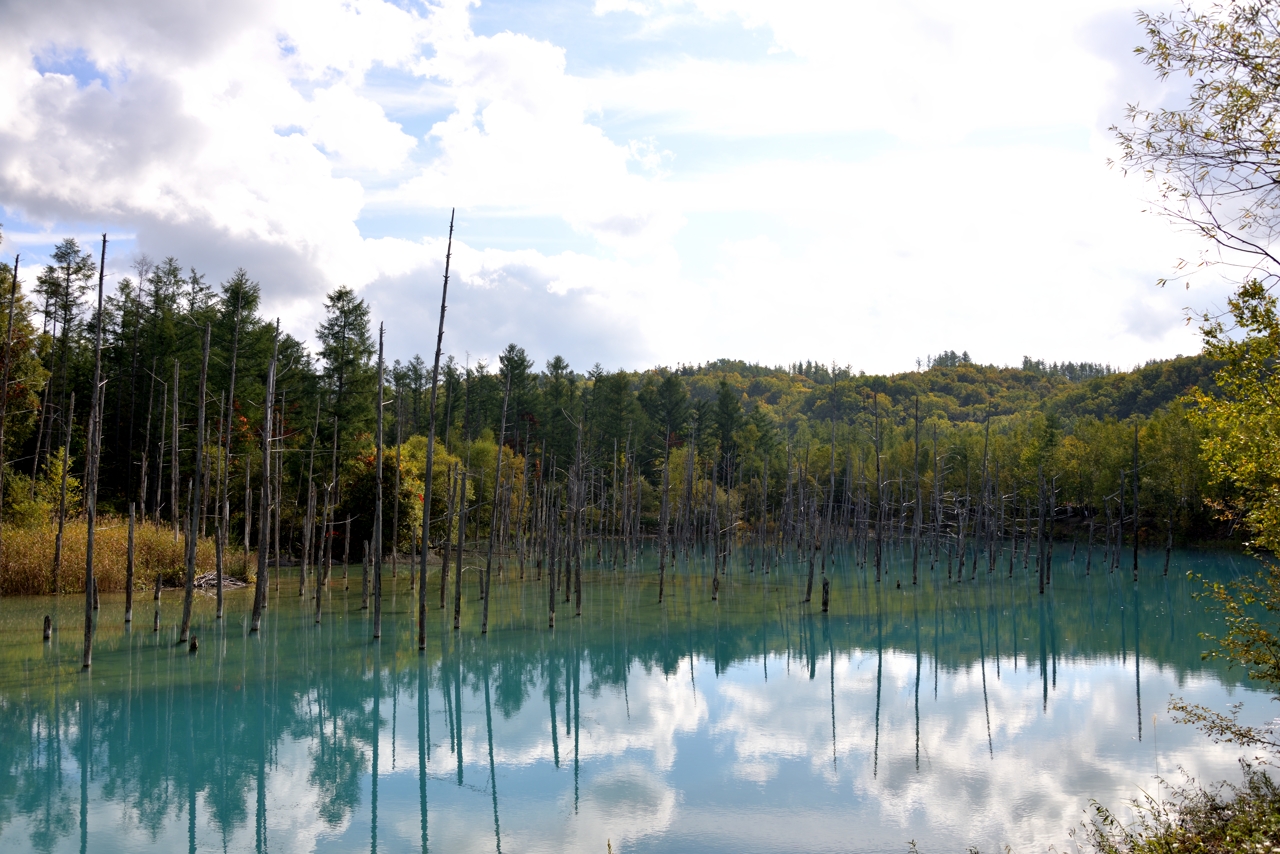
938	443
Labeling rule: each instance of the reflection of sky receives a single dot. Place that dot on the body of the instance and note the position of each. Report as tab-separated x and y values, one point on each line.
738	763
822	744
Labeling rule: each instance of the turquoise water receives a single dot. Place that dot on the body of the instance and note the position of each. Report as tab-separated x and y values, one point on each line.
949	713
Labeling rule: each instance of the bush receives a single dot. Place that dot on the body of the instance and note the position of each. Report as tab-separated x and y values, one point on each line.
1195	820
26	507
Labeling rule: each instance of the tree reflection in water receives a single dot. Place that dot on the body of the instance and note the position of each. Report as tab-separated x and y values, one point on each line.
678	718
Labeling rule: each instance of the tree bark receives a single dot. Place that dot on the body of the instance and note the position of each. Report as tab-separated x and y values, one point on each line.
193	523
260	588
493	520
91	481
431	451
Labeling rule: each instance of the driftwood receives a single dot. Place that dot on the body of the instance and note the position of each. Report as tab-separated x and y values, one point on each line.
209	581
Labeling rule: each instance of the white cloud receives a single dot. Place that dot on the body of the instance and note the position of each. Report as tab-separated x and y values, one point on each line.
267	134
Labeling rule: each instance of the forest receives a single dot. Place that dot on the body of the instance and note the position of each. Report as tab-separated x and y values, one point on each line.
955	453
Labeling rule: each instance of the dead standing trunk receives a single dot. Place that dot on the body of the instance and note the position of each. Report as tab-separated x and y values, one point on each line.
664	521
493	519
395	512
264	543
192	525
91	479
278	501
1135	501
577	541
62	496
308	528
226	472
448	536
4	377
128	573
220	507
364	579
377	502
173	462
146	445
462	536
431	448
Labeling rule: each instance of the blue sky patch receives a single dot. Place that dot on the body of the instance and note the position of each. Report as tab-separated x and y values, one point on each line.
72	63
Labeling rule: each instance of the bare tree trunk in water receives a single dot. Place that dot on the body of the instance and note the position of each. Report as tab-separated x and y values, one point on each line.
377	502
173	462
91	466
4	377
264	542
462	536
193	522
493	519
431	451
448	535
128	573
62	497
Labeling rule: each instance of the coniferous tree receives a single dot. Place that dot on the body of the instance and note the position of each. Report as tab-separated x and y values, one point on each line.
347	376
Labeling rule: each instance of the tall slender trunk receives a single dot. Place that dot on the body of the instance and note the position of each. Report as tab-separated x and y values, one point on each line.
377	500
395	500
264	542
431	451
448	536
578	524
160	448
128	572
493	519
91	460
62	496
4	385
462	538
879	490
277	505
1136	482
146	445
308	528
918	515
220	502
192	523
226	472
175	504
664	521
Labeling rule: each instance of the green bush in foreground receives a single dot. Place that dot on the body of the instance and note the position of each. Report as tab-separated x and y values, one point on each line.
1196	820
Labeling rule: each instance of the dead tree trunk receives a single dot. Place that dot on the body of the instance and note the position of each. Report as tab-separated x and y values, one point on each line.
91	466
175	504
264	542
493	519
431	452
62	496
192	525
377	501
4	377
128	573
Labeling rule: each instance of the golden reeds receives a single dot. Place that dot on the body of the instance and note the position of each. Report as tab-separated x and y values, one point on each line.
26	567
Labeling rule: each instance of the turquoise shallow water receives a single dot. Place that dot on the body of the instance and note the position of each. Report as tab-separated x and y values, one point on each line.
948	713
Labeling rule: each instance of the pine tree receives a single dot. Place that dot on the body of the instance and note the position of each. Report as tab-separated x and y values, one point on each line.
346	349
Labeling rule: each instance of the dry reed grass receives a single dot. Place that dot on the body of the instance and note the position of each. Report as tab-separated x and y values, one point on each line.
26	566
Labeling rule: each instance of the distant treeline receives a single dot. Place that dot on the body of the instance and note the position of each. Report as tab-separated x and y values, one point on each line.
778	445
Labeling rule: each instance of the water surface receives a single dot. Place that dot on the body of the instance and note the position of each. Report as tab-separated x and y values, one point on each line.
949	713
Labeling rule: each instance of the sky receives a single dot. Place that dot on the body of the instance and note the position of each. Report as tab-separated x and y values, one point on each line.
636	182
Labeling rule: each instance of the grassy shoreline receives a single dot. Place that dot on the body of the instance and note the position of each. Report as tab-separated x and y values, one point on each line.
27	561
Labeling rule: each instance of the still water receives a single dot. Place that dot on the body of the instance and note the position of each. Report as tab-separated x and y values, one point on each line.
952	714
